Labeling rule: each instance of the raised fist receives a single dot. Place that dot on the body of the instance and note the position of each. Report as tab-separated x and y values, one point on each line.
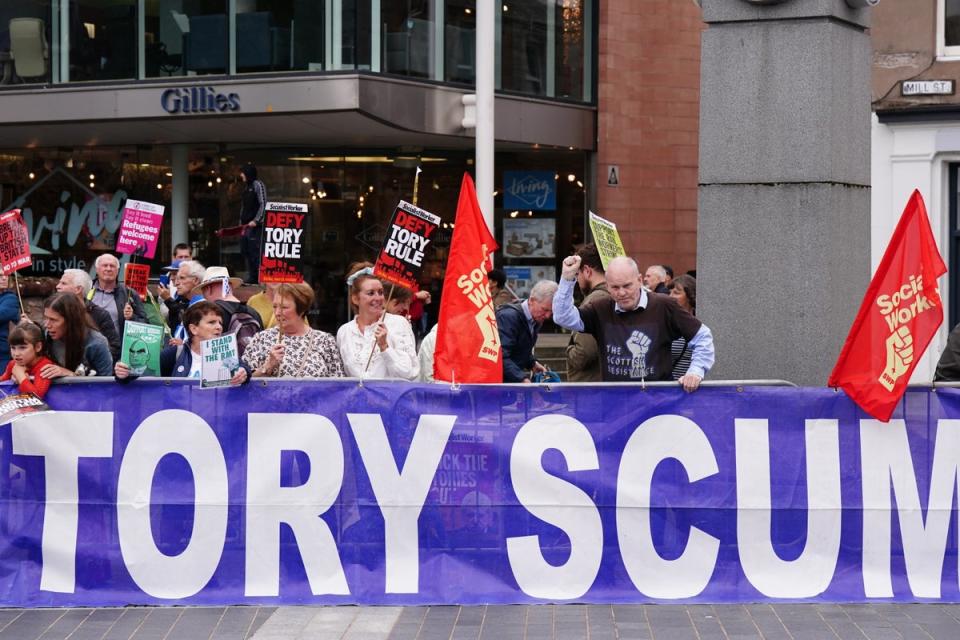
571	267
638	344
899	357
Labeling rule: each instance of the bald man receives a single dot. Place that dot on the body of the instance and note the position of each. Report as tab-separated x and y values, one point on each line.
635	328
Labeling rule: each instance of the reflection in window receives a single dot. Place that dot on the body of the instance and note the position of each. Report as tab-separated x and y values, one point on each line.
103	39
355	35
407	38
524	46
951	23
24	41
569	48
460	41
279	35
185	38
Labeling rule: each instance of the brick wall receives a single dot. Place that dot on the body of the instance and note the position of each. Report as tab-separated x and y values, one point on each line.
648	112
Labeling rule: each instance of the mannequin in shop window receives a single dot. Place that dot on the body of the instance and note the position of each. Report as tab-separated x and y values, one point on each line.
253	203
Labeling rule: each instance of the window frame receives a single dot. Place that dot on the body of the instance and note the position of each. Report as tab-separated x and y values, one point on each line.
944	51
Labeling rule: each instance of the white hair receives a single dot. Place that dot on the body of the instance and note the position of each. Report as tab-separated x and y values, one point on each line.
100	257
659	270
80	278
543	290
194	268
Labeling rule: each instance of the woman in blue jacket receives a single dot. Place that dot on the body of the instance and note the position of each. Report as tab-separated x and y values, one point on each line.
9	312
202	321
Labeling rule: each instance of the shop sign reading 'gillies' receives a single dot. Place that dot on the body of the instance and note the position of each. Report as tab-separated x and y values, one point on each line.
198	100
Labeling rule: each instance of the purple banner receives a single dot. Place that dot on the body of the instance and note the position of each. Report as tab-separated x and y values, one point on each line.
331	492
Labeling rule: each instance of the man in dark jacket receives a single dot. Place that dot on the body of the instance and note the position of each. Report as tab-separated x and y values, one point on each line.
78	281
948	367
519	326
583	356
113	297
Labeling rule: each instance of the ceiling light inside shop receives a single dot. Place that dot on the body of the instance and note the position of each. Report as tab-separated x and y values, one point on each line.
144	164
32	175
168	174
506	8
305	180
468	11
513	214
210	183
92	185
370	189
361	159
159	186
92	177
571	177
580	184
219	180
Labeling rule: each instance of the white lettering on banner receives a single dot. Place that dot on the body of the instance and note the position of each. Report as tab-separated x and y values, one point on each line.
401	494
269	504
556	502
61	439
172	431
886	462
655	440
811	573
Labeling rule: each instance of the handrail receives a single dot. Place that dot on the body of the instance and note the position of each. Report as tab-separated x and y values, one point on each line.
663	384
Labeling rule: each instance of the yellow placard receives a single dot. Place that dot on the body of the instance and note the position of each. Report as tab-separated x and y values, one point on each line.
606	238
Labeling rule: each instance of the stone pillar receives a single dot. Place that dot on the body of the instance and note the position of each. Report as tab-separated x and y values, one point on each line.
783	255
180	197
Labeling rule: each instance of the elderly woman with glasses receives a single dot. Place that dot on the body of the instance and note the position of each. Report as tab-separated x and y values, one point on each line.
292	349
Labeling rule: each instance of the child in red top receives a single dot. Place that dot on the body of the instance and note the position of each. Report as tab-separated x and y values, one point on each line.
26	349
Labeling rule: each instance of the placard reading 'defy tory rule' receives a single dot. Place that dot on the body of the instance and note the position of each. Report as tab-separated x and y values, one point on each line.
281	257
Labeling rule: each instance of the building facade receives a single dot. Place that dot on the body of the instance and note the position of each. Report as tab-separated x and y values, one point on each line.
916	134
337	102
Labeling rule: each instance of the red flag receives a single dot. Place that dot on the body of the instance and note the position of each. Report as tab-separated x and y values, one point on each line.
468	343
898	317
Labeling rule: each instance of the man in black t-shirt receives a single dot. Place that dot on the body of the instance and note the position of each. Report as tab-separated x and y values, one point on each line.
635	328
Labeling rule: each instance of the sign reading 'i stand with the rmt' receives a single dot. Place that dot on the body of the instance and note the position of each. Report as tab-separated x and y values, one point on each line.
401	257
281	256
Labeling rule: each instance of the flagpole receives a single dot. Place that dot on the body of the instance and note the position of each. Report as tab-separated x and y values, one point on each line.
416	186
16	280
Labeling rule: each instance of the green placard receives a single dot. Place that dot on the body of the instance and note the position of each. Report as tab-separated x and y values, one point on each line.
220	360
141	348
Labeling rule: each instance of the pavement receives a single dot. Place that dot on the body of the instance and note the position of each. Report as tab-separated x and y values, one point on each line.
533	622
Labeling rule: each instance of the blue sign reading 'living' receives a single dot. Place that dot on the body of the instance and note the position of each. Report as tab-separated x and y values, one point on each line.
531	190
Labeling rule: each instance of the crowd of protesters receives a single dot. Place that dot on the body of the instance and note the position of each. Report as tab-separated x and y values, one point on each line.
83	325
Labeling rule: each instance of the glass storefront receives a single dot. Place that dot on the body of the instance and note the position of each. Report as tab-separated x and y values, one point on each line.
544	47
72	200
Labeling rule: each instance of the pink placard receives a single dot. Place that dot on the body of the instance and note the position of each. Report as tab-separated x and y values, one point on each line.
140	228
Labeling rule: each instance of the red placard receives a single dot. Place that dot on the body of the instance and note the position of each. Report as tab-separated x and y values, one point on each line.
401	258
135	277
14	242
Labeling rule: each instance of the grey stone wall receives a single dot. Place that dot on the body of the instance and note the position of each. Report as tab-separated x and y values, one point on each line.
783	254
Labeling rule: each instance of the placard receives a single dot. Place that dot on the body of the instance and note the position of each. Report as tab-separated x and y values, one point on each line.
14	242
136	277
401	257
529	237
141	348
281	254
140	228
20	405
607	239
220	360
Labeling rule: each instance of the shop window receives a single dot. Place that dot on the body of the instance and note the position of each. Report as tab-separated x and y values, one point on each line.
25	41
185	38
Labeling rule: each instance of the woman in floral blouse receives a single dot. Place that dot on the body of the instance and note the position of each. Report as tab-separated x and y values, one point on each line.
292	349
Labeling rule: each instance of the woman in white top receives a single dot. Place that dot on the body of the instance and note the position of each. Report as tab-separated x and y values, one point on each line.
387	336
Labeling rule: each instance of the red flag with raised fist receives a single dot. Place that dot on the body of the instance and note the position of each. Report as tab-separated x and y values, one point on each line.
898	317
468	343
